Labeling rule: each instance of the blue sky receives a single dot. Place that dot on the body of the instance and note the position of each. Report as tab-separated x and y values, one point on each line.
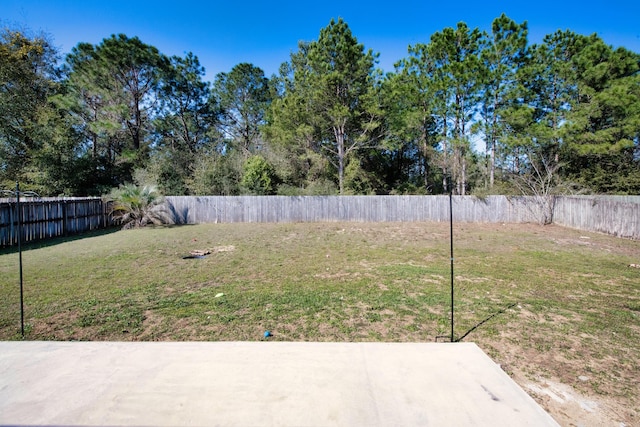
223	34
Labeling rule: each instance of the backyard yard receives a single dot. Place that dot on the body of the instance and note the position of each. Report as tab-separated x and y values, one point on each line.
558	309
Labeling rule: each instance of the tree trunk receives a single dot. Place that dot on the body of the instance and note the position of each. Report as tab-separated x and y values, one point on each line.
425	161
492	156
463	189
137	125
340	149
445	169
492	166
425	174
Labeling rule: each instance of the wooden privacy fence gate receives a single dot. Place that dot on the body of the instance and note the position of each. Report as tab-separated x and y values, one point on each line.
44	218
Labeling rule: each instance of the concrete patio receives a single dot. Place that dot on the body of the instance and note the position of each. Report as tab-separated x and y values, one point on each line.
258	384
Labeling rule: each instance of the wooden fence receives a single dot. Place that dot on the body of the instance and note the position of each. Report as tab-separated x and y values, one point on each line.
615	215
194	210
229	209
619	216
47	218
50	217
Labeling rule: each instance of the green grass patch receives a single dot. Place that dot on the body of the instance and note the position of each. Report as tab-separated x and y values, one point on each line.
522	292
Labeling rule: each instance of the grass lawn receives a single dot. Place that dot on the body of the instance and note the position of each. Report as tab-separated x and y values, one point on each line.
553	306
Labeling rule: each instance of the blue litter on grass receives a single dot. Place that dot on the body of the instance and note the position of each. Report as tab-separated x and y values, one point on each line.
267	334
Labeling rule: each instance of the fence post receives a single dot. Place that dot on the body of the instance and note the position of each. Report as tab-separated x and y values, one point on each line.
18	214
64	218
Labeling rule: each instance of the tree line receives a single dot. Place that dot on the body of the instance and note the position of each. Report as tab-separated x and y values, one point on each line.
468	111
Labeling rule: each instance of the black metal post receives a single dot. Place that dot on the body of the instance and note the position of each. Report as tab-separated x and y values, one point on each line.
18	222
18	215
451	241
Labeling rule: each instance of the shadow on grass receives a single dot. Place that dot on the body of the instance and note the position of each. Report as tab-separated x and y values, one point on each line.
58	240
485	321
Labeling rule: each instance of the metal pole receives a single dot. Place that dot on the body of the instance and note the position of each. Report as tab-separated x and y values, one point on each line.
20	257
451	241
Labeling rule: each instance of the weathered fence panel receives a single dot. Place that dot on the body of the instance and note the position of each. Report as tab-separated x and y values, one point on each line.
229	209
615	215
50	217
618	216
46	218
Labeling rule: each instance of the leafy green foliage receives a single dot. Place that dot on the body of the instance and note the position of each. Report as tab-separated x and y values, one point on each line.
502	58
217	174
259	176
331	99
108	95
26	81
243	96
186	126
134	206
469	110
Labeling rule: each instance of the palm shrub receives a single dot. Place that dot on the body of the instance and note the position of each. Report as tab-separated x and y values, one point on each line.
135	206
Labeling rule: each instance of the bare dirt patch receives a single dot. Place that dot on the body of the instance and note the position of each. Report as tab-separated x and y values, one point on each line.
59	326
573	408
565	378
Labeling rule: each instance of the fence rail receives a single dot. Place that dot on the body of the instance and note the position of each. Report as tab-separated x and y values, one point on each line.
50	217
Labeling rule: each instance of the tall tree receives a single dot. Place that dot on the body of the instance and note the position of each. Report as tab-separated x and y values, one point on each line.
602	136
548	92
552	89
94	112
27	68
502	58
333	92
243	96
410	98
136	69
292	130
456	52
116	87
185	124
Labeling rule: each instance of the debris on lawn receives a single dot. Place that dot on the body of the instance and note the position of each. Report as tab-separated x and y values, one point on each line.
219	295
201	253
634	265
198	252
